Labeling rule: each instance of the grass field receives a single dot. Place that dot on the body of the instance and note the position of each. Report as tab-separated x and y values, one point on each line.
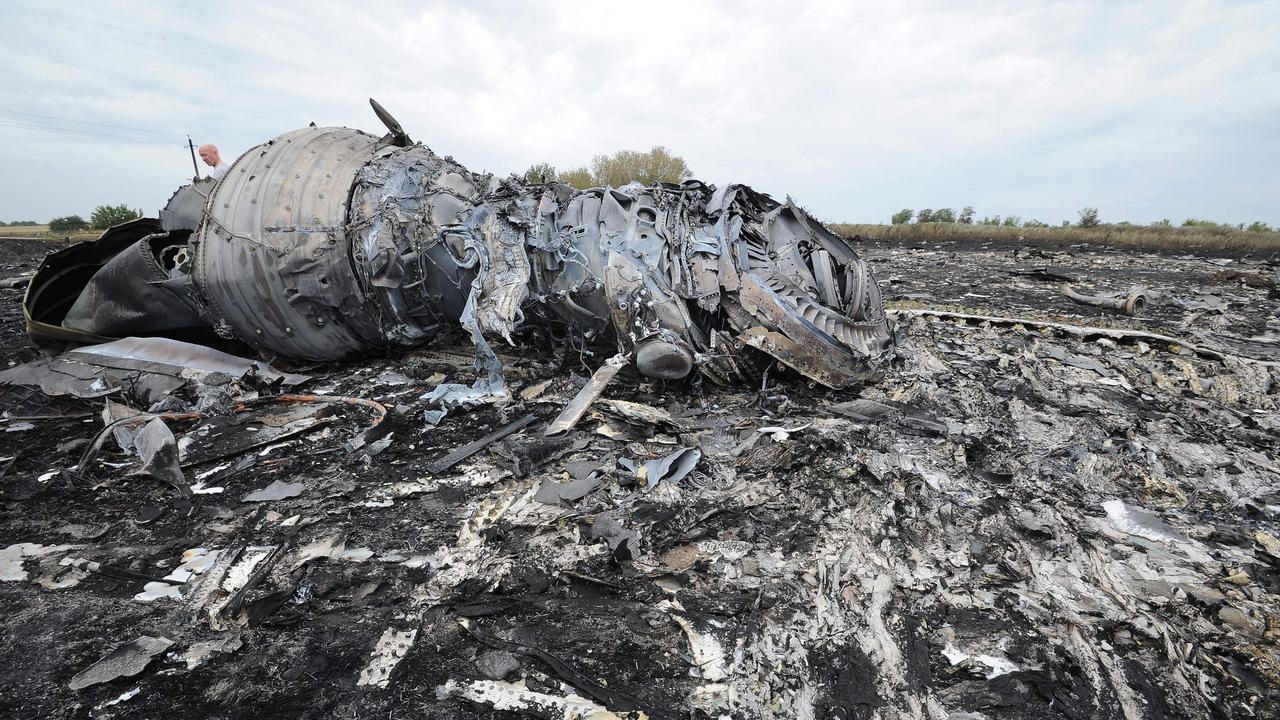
24	231
41	232
1139	236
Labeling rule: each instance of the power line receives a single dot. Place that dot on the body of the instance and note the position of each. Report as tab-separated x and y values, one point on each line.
83	122
86	133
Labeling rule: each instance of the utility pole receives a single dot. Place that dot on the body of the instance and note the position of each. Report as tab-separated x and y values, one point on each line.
194	166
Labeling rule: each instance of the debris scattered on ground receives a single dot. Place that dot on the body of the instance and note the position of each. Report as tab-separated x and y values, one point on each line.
277	490
125	661
1035	508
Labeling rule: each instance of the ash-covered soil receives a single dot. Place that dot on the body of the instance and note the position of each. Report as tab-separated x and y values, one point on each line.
1227	300
1007	522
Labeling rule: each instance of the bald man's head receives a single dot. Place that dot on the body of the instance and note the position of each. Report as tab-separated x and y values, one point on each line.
209	154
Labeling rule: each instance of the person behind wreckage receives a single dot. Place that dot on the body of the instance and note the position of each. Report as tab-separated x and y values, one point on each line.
211	157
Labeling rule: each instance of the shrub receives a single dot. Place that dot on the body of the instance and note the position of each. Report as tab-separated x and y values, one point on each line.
105	216
624	166
902	216
578	177
993	220
68	224
966	215
540	173
1012	221
1259	226
924	216
1089	217
946	215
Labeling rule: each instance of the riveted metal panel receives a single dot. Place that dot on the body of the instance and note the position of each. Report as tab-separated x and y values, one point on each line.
272	259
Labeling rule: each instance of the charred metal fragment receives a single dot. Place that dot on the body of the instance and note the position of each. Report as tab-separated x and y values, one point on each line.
1132	303
326	243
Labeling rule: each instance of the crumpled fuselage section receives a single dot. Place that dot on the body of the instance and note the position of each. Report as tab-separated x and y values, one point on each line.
327	243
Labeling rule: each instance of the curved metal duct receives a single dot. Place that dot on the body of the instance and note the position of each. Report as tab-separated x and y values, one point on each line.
271	260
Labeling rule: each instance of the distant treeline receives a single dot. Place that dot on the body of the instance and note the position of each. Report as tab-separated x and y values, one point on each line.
20	223
1204	236
1088	218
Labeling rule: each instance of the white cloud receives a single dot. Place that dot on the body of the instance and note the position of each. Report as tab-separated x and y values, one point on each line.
1145	109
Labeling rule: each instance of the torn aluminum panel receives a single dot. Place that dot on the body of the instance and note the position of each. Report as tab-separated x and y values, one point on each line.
326	243
153	367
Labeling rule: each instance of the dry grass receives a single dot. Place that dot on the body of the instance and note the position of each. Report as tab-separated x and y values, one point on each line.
1138	236
24	230
41	232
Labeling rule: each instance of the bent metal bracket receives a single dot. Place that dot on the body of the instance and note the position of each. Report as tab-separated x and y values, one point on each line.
326	243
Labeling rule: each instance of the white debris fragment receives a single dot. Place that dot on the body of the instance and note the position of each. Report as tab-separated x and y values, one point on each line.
1139	523
194	562
391	648
201	489
123	697
199	653
11	558
996	665
277	490
781	434
354	554
240	573
157	590
515	697
46	477
273	447
212	471
709	656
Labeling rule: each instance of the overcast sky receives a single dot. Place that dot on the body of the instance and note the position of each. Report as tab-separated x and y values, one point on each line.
1144	110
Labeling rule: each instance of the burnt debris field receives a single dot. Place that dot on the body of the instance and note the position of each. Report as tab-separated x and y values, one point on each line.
1035	508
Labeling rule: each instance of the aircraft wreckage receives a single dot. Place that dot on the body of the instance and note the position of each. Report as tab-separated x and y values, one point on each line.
1020	516
326	243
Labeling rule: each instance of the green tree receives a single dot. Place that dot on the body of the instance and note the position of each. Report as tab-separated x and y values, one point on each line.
966	215
946	215
993	220
1012	221
624	166
67	224
105	216
1259	226
902	216
1089	217
924	216
539	173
